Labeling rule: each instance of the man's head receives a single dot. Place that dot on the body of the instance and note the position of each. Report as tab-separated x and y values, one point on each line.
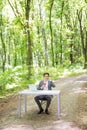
46	76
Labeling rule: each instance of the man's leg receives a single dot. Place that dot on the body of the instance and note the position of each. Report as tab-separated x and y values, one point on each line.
48	98
37	100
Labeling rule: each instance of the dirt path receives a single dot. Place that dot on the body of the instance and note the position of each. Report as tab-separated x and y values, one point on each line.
73	109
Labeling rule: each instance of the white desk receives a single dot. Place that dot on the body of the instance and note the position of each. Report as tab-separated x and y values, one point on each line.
37	92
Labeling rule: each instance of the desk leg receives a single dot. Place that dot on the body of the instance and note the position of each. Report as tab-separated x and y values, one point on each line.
19	106
59	106
25	103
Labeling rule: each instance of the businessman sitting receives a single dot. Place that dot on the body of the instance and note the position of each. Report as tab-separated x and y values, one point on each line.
45	84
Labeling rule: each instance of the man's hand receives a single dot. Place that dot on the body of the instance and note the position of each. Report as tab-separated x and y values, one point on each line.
44	85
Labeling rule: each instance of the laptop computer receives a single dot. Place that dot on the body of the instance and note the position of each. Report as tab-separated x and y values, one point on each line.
32	87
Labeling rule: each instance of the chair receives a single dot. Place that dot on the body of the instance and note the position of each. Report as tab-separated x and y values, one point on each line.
43	102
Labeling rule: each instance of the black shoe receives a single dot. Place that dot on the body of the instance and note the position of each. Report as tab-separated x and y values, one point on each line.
47	112
40	111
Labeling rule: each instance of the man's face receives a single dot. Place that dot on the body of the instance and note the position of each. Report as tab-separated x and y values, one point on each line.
46	77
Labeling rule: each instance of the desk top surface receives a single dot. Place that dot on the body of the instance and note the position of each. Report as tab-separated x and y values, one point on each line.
41	92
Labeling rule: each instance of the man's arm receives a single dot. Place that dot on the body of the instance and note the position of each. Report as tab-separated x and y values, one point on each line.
52	84
40	85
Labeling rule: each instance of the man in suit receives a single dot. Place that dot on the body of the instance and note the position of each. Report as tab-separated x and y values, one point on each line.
45	84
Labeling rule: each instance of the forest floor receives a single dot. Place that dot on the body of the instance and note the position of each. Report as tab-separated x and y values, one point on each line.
73	109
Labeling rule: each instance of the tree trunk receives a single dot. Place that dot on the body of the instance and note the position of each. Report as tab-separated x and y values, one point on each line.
9	50
51	33
3	46
85	53
71	53
43	35
61	48
45	47
83	34
28	38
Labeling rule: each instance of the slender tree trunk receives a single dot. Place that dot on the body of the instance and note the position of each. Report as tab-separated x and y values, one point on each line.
43	35
9	53
51	33
28	38
83	34
45	47
61	46
85	65
71	53
15	52
3	46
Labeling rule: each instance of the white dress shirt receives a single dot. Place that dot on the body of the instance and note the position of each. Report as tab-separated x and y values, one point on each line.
46	86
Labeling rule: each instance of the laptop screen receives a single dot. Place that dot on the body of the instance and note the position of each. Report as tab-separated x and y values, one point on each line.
32	87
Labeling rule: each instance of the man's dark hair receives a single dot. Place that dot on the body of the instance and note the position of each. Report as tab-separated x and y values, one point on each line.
46	74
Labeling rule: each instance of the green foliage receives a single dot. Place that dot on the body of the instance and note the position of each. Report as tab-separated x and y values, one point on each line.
5	78
16	79
67	46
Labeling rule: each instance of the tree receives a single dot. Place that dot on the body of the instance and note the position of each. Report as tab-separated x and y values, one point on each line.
28	37
25	27
51	33
3	51
83	33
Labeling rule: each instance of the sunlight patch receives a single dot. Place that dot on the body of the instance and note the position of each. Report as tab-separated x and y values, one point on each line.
60	125
18	127
9	86
80	90
82	81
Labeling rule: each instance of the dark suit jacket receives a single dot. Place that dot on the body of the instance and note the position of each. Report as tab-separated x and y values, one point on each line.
50	85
